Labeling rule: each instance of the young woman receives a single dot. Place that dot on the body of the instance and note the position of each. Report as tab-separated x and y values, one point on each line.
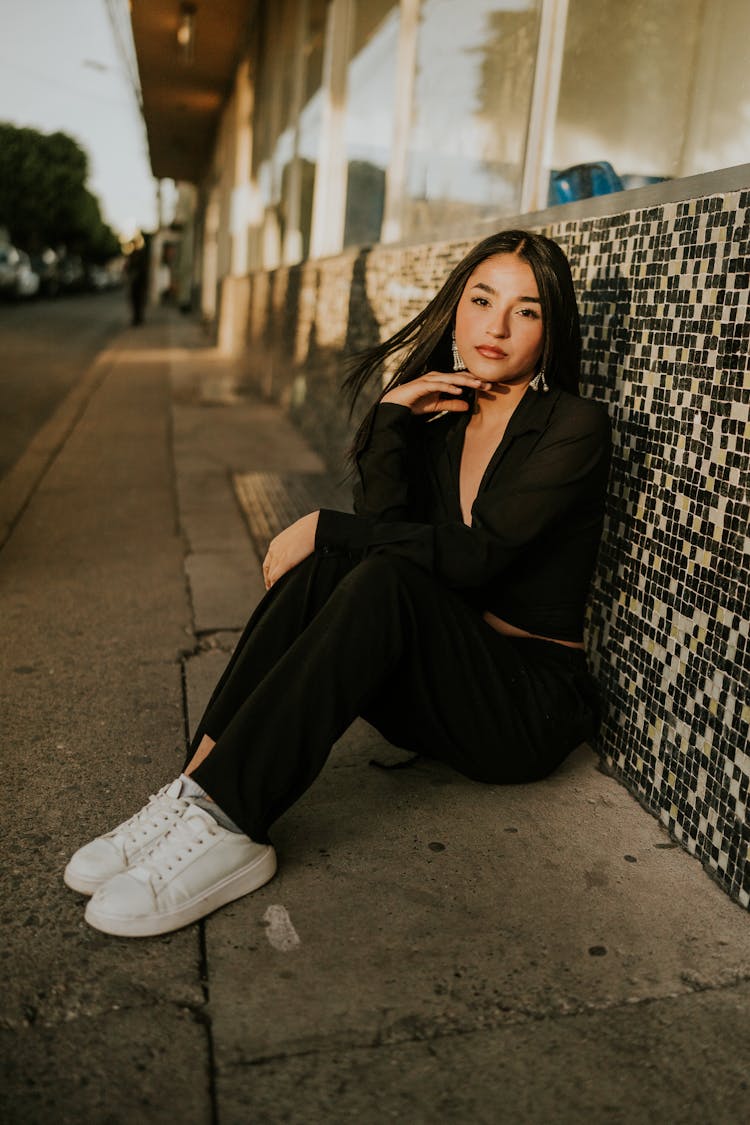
447	610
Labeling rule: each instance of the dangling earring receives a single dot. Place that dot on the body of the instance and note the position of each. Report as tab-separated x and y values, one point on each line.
458	363
539	383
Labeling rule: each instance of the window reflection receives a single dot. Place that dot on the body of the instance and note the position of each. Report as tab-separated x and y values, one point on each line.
287	128
650	90
371	84
475	70
299	182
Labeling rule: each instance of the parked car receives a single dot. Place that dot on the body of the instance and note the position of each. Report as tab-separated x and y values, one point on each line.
8	266
27	281
17	278
97	278
72	274
46	263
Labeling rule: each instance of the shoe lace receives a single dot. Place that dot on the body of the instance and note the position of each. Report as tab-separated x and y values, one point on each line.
159	810
188	834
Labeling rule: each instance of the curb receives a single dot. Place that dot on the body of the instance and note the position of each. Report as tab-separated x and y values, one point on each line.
24	477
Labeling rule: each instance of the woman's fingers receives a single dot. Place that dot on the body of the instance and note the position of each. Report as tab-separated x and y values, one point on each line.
425	394
455	379
267	572
273	568
454	404
445	393
270	570
287	549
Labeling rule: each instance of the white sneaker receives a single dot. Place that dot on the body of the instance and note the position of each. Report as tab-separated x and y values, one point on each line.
193	869
108	855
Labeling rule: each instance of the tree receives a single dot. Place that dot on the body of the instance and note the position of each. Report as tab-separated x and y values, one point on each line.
44	200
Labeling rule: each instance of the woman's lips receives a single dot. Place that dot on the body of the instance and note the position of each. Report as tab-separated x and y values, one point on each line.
492	353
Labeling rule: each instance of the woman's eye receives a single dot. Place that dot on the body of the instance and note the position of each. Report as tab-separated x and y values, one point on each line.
529	313
481	301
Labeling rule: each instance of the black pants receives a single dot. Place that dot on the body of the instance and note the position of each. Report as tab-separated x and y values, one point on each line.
336	638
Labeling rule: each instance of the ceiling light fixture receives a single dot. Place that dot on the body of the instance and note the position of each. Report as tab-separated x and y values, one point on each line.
186	31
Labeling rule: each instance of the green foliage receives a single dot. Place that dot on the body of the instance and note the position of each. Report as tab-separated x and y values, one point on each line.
44	200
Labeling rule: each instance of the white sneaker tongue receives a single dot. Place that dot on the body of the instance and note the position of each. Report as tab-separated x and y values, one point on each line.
175	789
190	788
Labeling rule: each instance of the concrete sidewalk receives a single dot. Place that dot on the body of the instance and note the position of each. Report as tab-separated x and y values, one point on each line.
431	951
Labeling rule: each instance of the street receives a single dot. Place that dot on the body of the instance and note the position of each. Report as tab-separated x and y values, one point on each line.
44	347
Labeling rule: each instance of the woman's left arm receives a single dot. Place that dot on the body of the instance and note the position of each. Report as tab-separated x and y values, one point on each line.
380	490
381	485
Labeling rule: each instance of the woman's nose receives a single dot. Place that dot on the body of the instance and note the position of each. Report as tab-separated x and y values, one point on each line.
500	325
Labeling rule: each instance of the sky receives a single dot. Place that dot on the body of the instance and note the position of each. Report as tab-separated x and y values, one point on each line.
60	69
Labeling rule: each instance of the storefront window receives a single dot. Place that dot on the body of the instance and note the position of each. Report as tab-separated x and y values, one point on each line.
287	127
472	95
368	129
273	135
650	90
299	176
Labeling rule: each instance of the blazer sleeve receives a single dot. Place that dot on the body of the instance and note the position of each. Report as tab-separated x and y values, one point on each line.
381	487
564	474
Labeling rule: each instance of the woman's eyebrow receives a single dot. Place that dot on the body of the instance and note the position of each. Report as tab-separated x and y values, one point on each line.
488	289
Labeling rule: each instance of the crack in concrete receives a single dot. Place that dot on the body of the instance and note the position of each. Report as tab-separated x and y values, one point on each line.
216	640
33	1022
425	1031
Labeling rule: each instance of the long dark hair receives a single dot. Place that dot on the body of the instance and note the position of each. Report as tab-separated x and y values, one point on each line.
428	335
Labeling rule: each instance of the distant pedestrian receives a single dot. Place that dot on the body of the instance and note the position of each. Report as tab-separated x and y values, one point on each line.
136	271
447	611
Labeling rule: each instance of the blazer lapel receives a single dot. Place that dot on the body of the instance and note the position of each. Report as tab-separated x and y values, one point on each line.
529	418
446	439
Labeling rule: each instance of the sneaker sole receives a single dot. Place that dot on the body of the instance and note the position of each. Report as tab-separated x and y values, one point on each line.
242	882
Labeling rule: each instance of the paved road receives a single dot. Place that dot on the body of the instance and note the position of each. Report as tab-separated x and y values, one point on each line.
45	346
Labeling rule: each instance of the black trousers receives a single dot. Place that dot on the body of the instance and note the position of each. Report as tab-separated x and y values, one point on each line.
338	638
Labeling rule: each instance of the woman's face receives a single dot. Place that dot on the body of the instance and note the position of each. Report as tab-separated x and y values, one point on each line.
499	327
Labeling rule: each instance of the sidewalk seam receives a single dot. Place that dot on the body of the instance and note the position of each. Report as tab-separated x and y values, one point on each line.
204	1018
202	1014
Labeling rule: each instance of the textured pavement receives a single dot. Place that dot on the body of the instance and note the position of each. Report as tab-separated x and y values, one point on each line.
432	950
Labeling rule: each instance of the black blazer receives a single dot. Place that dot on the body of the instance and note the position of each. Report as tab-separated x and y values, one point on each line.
529	553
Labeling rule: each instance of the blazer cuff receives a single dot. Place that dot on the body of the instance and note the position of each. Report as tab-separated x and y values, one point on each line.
340	531
391	415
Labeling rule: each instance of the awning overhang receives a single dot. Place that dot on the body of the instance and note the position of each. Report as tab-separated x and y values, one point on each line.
182	101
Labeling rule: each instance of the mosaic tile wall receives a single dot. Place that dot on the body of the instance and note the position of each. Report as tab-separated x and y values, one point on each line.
663	295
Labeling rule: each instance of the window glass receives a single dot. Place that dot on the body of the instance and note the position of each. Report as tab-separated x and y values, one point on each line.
368	128
472	95
272	141
298	183
650	90
287	127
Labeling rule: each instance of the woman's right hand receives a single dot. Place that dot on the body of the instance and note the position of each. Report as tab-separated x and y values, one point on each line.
436	391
